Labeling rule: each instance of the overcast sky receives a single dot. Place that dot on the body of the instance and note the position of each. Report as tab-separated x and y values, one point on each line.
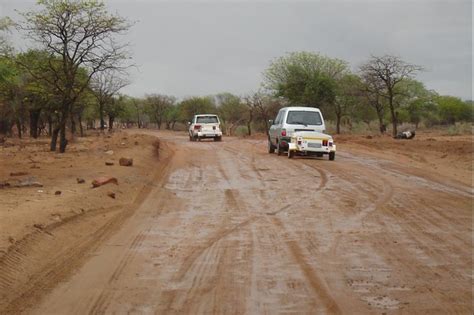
185	48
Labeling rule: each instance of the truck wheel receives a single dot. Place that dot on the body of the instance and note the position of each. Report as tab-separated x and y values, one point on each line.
291	154
332	156
271	147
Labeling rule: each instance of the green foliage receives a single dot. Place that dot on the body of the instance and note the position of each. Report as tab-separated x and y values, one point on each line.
305	78
453	109
196	105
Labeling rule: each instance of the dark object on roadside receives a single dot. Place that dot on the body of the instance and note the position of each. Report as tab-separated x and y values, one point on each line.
111	194
18	173
369	137
103	180
29	182
109	163
58	192
406	135
4	184
80	180
126	162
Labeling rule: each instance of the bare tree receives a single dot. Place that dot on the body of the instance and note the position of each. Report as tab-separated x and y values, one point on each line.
388	71
264	107
81	37
373	92
105	85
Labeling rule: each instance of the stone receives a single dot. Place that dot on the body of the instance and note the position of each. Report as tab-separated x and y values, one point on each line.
100	181
80	180
110	152
109	163
126	161
111	194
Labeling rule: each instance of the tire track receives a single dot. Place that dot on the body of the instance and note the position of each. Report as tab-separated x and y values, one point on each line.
311	275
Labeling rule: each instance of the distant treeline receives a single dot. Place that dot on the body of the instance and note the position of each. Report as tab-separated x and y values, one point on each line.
73	82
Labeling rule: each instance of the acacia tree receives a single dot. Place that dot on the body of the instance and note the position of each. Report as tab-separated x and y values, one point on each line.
157	106
373	92
305	78
389	71
82	35
265	107
105	85
347	97
231	111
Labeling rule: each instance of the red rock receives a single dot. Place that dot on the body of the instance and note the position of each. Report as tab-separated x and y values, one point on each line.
103	181
126	162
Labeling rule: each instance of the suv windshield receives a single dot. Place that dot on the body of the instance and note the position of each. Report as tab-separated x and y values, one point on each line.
303	117
207	120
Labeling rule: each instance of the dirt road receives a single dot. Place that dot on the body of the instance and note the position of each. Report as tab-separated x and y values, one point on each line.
230	229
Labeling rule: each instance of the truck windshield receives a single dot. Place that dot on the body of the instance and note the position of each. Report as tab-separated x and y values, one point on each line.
207	120
303	117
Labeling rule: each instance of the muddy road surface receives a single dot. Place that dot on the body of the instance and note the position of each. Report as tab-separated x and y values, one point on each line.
229	229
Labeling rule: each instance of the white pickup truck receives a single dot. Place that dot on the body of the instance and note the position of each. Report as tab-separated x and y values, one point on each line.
205	126
313	143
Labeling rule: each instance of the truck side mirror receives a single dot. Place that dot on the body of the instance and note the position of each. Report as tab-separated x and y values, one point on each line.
271	122
189	123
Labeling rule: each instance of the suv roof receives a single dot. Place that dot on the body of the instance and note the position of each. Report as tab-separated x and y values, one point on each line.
310	109
205	115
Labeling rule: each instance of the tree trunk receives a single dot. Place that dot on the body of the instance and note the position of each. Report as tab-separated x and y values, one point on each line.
338	124
394	115
19	127
62	138
111	122
79	120
73	125
34	118
4	127
54	137
101	116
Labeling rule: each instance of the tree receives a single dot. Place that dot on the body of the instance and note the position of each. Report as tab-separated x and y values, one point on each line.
415	100
453	109
348	92
305	78
105	85
265	108
387	72
157	106
82	35
231	111
5	48
196	105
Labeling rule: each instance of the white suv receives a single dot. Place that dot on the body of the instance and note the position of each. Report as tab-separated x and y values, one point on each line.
205	126
290	120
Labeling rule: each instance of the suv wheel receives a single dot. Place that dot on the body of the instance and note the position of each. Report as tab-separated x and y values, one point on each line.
271	147
332	156
279	149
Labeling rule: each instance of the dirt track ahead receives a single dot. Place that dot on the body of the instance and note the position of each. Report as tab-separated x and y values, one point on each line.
228	228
